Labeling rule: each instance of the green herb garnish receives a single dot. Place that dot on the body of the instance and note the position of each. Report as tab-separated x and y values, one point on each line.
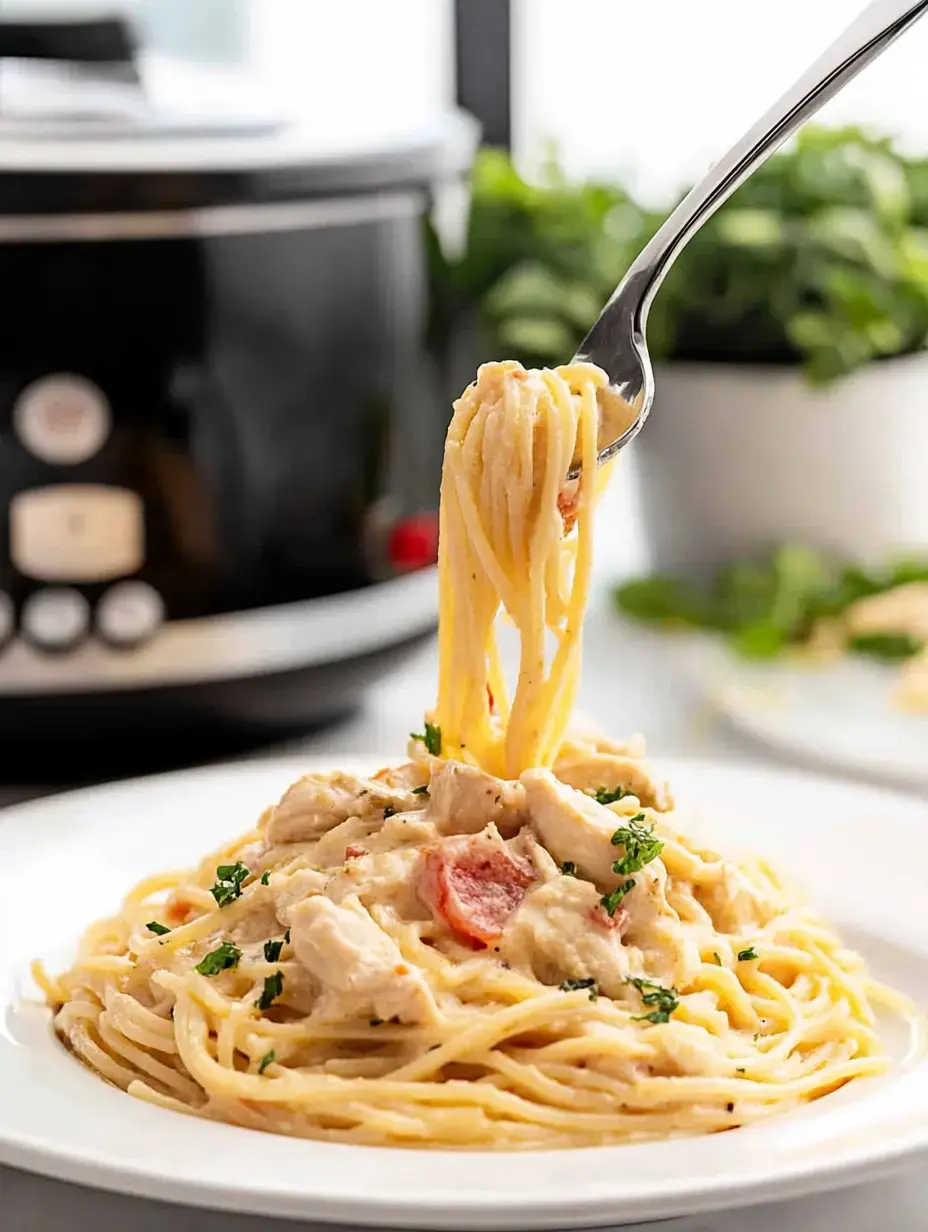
273	987
272	950
890	647
641	847
640	843
376	1022
747	955
579	985
665	1000
569	869
158	929
718	961
287	936
266	877
220	959
229	878
389	812
421	791
612	901
266	1060
431	738
603	795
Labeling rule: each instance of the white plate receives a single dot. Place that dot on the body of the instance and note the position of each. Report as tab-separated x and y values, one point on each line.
840	715
862	853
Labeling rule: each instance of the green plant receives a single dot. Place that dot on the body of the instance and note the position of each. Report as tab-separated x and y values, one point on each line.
762	607
819	259
538	260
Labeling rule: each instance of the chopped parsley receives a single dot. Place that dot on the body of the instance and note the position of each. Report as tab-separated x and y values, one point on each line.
739	1069
158	929
287	936
569	869
892	647
223	957
613	900
389	812
641	847
603	795
664	1000
578	985
421	791
431	738
229	878
266	877
376	1022
747	955
640	843
272	950
715	955
266	1060
273	987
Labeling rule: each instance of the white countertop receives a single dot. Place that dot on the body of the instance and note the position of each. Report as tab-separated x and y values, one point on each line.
628	686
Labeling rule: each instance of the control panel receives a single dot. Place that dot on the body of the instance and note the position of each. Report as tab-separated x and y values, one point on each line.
76	533
76	544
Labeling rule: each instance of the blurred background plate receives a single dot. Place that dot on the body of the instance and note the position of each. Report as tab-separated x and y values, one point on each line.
841	715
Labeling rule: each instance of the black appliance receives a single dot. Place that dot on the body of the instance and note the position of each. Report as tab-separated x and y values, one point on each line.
220	431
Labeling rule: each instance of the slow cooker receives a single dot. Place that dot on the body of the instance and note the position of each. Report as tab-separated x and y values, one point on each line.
220	429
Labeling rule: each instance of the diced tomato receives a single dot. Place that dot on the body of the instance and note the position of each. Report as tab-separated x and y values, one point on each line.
352	851
601	917
473	885
567	506
178	909
413	543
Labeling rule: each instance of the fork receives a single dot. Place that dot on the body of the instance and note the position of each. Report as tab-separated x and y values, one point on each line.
617	342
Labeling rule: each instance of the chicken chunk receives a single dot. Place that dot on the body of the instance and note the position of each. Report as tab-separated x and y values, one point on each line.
329	852
384	878
292	888
571	825
406	777
317	803
591	771
558	934
359	967
465	800
575	829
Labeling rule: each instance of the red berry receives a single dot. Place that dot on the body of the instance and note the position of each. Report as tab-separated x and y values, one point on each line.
414	542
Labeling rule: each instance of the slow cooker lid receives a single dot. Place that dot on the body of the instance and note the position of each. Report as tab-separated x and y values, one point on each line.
72	81
89	121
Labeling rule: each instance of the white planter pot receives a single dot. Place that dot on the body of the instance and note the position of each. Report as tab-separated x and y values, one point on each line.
735	459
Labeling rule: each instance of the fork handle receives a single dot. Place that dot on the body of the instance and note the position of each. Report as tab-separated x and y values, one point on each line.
865	38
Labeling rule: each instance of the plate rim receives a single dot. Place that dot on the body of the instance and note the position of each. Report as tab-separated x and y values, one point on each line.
469	1208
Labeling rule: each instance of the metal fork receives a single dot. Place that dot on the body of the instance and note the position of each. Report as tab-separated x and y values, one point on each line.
617	342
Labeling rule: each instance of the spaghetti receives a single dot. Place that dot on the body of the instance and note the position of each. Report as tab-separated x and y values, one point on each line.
506	942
